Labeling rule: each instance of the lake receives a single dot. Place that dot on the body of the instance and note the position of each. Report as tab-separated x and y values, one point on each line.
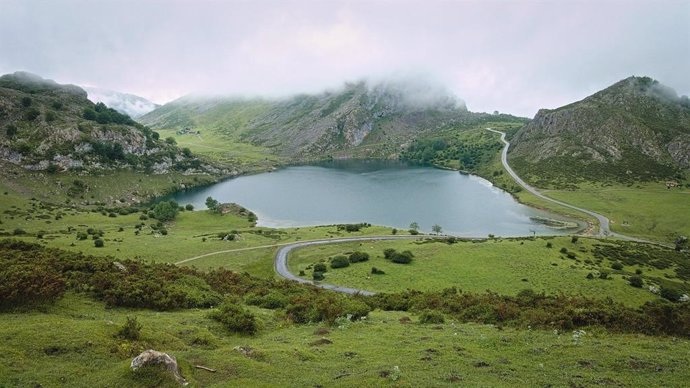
378	192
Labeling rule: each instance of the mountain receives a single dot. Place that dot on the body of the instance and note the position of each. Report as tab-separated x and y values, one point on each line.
48	126
636	129
359	120
129	104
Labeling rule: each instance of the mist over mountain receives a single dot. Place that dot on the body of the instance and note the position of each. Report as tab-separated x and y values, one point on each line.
129	104
361	119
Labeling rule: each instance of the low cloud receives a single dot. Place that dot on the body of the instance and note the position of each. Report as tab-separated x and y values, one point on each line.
511	56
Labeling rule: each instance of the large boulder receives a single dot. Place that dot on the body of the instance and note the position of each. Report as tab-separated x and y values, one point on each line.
153	357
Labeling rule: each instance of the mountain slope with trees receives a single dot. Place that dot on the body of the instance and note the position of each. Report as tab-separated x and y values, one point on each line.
50	127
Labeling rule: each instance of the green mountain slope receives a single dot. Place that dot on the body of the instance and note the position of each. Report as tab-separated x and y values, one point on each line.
636	129
360	120
53	127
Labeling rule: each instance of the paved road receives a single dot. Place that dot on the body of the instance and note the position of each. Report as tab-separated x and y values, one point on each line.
604	228
282	256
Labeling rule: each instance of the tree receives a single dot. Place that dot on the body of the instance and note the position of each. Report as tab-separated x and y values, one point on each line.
11	131
436	229
681	243
414	226
212	204
166	211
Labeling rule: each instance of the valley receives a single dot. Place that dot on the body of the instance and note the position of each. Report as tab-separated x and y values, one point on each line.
101	250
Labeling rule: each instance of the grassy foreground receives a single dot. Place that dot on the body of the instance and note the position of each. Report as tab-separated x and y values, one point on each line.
73	343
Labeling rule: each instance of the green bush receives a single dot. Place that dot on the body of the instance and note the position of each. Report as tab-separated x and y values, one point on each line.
318	276
189	207
671	294
339	262
131	330
25	283
388	253
358	257
320	267
430	316
376	271
549	244
404	257
617	266
235	318
635	281
165	211
98	243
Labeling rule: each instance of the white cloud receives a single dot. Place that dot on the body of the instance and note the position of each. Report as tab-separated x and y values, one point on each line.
512	56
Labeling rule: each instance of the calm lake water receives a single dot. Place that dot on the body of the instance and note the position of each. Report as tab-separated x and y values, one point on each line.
380	193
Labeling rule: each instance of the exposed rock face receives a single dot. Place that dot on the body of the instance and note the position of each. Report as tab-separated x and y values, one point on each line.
153	357
636	124
361	119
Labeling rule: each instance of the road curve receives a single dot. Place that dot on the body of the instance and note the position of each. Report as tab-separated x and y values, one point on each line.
281	266
604	228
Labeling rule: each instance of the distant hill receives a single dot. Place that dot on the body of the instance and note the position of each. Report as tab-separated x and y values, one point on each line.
129	104
53	127
636	129
359	120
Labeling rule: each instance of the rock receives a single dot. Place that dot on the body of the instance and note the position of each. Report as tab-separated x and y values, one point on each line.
153	357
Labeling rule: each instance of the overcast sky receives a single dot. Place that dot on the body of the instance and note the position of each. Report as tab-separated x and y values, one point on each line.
512	56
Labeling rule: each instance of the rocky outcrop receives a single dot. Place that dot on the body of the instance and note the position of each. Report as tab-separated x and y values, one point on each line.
155	358
636	123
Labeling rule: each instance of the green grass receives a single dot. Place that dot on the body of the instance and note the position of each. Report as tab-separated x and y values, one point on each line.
74	344
226	149
502	266
647	210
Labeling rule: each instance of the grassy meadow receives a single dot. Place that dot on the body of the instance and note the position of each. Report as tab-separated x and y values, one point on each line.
502	266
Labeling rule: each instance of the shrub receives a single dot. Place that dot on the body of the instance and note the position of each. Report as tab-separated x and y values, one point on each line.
376	271
18	232
131	330
320	267
638	271
98	243
388	253
574	239
413	232
549	245
603	275
404	257
325	306
617	266
671	294
430	316
82	236
165	211
339	262
26	102
358	257
23	284
635	281
318	276
189	207
235	318
564	250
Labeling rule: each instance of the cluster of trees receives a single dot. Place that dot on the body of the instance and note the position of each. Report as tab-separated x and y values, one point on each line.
434	150
101	114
